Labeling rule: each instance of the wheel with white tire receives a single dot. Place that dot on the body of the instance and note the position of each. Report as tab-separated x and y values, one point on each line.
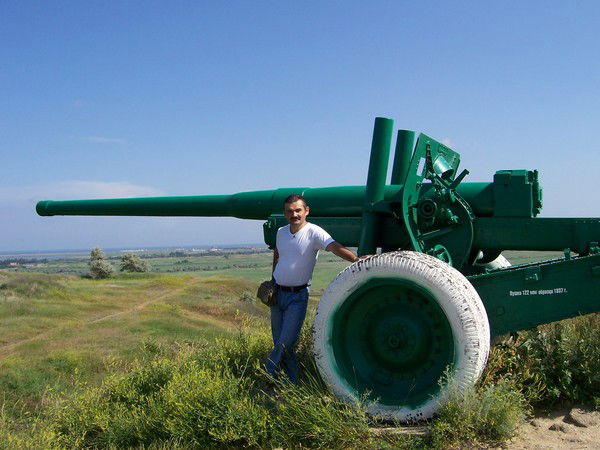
389	327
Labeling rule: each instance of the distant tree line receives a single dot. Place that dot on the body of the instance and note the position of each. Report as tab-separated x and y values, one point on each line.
224	253
211	268
20	261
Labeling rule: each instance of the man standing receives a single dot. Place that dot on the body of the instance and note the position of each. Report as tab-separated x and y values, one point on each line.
296	250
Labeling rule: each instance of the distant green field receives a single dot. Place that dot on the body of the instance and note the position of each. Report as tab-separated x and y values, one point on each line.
52	324
159	261
253	265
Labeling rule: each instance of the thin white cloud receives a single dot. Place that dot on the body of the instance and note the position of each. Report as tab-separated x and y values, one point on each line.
447	142
102	140
76	190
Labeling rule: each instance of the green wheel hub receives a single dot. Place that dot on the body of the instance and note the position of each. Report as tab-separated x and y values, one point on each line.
392	340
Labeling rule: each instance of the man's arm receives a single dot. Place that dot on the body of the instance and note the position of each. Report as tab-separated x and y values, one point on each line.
275	259
339	250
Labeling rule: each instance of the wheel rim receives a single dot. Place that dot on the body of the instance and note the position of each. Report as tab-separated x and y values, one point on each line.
391	341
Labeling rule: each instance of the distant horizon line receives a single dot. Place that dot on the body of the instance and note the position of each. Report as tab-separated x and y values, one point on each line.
5	253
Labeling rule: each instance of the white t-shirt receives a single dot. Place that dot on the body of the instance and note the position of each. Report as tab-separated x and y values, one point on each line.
298	253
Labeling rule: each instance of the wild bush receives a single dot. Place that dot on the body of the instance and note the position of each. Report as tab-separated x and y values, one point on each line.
484	414
29	286
553	363
100	269
132	263
247	297
207	396
240	354
99	266
96	253
206	407
309	416
38	435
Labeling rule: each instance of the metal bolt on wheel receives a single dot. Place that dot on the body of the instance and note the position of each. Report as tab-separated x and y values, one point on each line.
388	327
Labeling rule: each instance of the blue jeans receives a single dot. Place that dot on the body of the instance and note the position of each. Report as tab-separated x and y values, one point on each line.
287	317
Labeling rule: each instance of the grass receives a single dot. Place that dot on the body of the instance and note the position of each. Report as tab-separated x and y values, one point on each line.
53	326
489	413
553	364
154	360
204	396
172	360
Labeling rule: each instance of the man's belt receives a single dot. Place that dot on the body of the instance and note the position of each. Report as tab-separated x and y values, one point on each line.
291	288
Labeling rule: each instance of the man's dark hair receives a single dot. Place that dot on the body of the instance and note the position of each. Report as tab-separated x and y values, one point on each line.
294	198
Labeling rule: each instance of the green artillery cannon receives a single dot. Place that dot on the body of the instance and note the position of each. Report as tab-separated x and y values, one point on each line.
393	323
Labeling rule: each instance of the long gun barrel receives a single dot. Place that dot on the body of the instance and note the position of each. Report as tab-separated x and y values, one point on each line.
342	201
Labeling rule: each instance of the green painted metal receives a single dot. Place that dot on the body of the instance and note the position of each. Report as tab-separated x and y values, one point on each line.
391	338
345	230
440	221
405	141
375	190
244	205
517	189
402	157
492	235
524	296
338	201
520	233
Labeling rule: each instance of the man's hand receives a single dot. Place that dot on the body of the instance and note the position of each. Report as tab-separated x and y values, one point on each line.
339	250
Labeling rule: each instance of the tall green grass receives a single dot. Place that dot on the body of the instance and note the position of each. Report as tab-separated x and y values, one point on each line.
209	396
550	365
488	414
213	394
159	378
50	334
557	363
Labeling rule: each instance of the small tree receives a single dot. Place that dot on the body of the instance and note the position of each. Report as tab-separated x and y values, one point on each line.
97	254
99	266
133	263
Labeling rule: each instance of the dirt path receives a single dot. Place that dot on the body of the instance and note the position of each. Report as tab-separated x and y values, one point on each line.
576	428
8	349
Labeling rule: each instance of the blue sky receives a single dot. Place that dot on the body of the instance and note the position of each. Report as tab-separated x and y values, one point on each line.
116	99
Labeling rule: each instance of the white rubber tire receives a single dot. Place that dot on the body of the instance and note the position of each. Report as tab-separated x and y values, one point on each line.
453	293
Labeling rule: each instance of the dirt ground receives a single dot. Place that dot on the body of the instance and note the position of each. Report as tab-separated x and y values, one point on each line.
574	428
